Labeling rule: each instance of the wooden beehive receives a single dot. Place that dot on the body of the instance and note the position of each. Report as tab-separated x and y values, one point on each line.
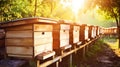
75	35
84	34
115	30
91	28
29	38
97	31
2	37
61	37
94	32
101	31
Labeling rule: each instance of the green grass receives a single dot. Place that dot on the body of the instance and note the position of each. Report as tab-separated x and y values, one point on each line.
97	48
94	49
92	52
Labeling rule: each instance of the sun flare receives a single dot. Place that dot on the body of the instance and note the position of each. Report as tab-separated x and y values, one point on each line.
76	5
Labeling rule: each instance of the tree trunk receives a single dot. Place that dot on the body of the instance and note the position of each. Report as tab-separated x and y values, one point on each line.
118	26
35	8
118	30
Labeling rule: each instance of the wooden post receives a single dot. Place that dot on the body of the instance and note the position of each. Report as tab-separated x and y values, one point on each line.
38	63
84	52
70	60
57	64
86	48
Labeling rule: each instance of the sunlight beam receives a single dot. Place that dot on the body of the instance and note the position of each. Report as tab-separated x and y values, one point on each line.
76	5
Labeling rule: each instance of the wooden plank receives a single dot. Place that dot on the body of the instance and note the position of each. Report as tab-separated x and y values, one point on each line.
19	50
60	43
64	26
64	34
45	55
21	27
19	34
43	27
75	36
76	27
64	42
56	34
56	44
2	42
86	33
43	35
21	56
19	42
39	41
42	48
2	35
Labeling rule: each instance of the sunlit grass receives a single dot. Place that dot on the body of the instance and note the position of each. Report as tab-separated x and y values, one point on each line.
111	41
113	45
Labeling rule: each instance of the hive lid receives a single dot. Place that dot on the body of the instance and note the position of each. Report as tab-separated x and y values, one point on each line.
31	20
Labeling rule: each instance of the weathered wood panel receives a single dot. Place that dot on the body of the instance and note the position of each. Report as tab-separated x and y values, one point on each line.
22	27
64	42
86	33
2	42
19	50
42	35
40	41
76	28
42	48
64	27
21	56
64	34
19	34
61	27
2	35
56	34
94	32
75	36
19	42
43	27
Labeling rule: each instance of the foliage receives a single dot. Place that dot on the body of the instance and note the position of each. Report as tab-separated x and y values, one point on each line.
110	9
13	9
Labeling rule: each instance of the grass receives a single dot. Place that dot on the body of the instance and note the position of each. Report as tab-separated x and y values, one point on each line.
94	49
97	48
112	42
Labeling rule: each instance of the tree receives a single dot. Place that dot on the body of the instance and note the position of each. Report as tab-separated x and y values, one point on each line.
111	9
13	9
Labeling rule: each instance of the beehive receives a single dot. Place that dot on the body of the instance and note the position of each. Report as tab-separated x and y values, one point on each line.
75	35
94	32
91	29
29	38
61	37
101	31
84	34
97	31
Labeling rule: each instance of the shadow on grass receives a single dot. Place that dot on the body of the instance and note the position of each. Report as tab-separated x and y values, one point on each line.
102	48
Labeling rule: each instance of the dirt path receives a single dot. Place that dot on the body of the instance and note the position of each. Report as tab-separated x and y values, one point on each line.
106	58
